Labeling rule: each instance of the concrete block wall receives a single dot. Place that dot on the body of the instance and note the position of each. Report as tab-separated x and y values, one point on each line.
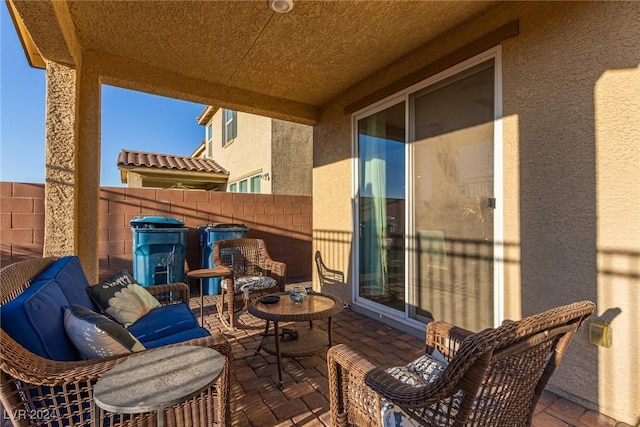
284	222
21	221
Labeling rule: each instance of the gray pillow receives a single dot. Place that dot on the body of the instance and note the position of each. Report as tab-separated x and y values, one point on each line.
96	336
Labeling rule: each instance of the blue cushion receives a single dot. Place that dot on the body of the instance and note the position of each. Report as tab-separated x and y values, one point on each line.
16	324
163	321
35	320
70	276
189	334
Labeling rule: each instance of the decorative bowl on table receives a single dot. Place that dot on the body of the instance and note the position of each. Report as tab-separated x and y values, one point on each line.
270	299
298	294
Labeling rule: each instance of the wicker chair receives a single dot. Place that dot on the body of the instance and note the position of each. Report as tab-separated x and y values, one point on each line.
63	390
247	258
493	378
326	275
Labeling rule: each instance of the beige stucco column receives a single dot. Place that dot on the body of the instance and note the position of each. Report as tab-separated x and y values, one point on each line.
59	202
87	166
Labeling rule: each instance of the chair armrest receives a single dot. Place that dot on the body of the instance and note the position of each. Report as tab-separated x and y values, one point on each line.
351	402
445	337
332	277
356	385
277	270
170	293
70	383
41	371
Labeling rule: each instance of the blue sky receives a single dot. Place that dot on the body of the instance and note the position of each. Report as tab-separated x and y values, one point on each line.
131	120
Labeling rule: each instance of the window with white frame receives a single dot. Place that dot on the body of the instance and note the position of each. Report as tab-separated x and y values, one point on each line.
247	185
209	139
255	183
229	126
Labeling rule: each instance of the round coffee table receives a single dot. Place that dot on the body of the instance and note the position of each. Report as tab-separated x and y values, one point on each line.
156	380
208	273
307	341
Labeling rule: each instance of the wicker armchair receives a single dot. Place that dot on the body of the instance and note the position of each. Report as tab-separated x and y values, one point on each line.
247	258
326	275
60	393
493	378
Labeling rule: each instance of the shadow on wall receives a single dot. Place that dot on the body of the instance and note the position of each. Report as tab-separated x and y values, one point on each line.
332	281
283	222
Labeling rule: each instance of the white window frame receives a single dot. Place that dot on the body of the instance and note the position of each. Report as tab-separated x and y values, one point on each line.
248	180
209	139
228	125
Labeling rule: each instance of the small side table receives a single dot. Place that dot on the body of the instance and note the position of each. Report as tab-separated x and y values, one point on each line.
207	273
156	380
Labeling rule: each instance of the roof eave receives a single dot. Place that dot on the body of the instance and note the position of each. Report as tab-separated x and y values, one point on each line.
206	115
28	46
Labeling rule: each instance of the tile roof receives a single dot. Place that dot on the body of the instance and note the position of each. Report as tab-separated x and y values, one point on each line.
206	114
128	158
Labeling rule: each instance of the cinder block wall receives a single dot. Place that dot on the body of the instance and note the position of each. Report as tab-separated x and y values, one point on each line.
284	222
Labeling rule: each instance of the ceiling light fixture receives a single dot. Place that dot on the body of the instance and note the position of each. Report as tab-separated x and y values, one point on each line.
281	6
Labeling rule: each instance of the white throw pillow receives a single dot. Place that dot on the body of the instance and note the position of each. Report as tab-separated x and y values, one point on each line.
122	298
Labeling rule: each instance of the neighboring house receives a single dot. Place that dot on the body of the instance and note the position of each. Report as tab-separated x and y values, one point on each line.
140	169
472	161
263	155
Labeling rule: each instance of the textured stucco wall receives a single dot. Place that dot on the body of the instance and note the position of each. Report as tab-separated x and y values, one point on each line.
570	176
263	145
570	99
250	151
59	160
332	189
292	158
87	165
73	162
617	133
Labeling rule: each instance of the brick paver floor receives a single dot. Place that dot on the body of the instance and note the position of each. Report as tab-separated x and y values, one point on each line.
256	401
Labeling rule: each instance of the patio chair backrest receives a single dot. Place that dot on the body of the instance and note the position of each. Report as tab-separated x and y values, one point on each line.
244	256
16	277
502	372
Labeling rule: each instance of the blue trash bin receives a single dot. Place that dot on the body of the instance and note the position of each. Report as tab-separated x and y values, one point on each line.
208	235
159	247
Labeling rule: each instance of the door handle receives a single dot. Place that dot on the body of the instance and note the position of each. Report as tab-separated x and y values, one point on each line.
491	202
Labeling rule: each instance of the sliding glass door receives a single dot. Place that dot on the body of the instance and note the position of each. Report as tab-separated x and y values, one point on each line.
426	201
381	144
452	156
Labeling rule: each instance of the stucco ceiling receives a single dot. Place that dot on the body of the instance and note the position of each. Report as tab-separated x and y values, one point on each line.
239	54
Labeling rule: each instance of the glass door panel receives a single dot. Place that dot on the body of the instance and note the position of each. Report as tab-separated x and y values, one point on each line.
452	166
381	201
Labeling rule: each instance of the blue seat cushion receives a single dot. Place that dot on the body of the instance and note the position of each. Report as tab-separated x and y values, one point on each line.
189	334
35	319
163	321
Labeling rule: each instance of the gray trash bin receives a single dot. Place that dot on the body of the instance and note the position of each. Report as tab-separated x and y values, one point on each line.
159	247
208	235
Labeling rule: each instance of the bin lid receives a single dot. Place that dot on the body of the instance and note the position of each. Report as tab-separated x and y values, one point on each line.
225	225
156	222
